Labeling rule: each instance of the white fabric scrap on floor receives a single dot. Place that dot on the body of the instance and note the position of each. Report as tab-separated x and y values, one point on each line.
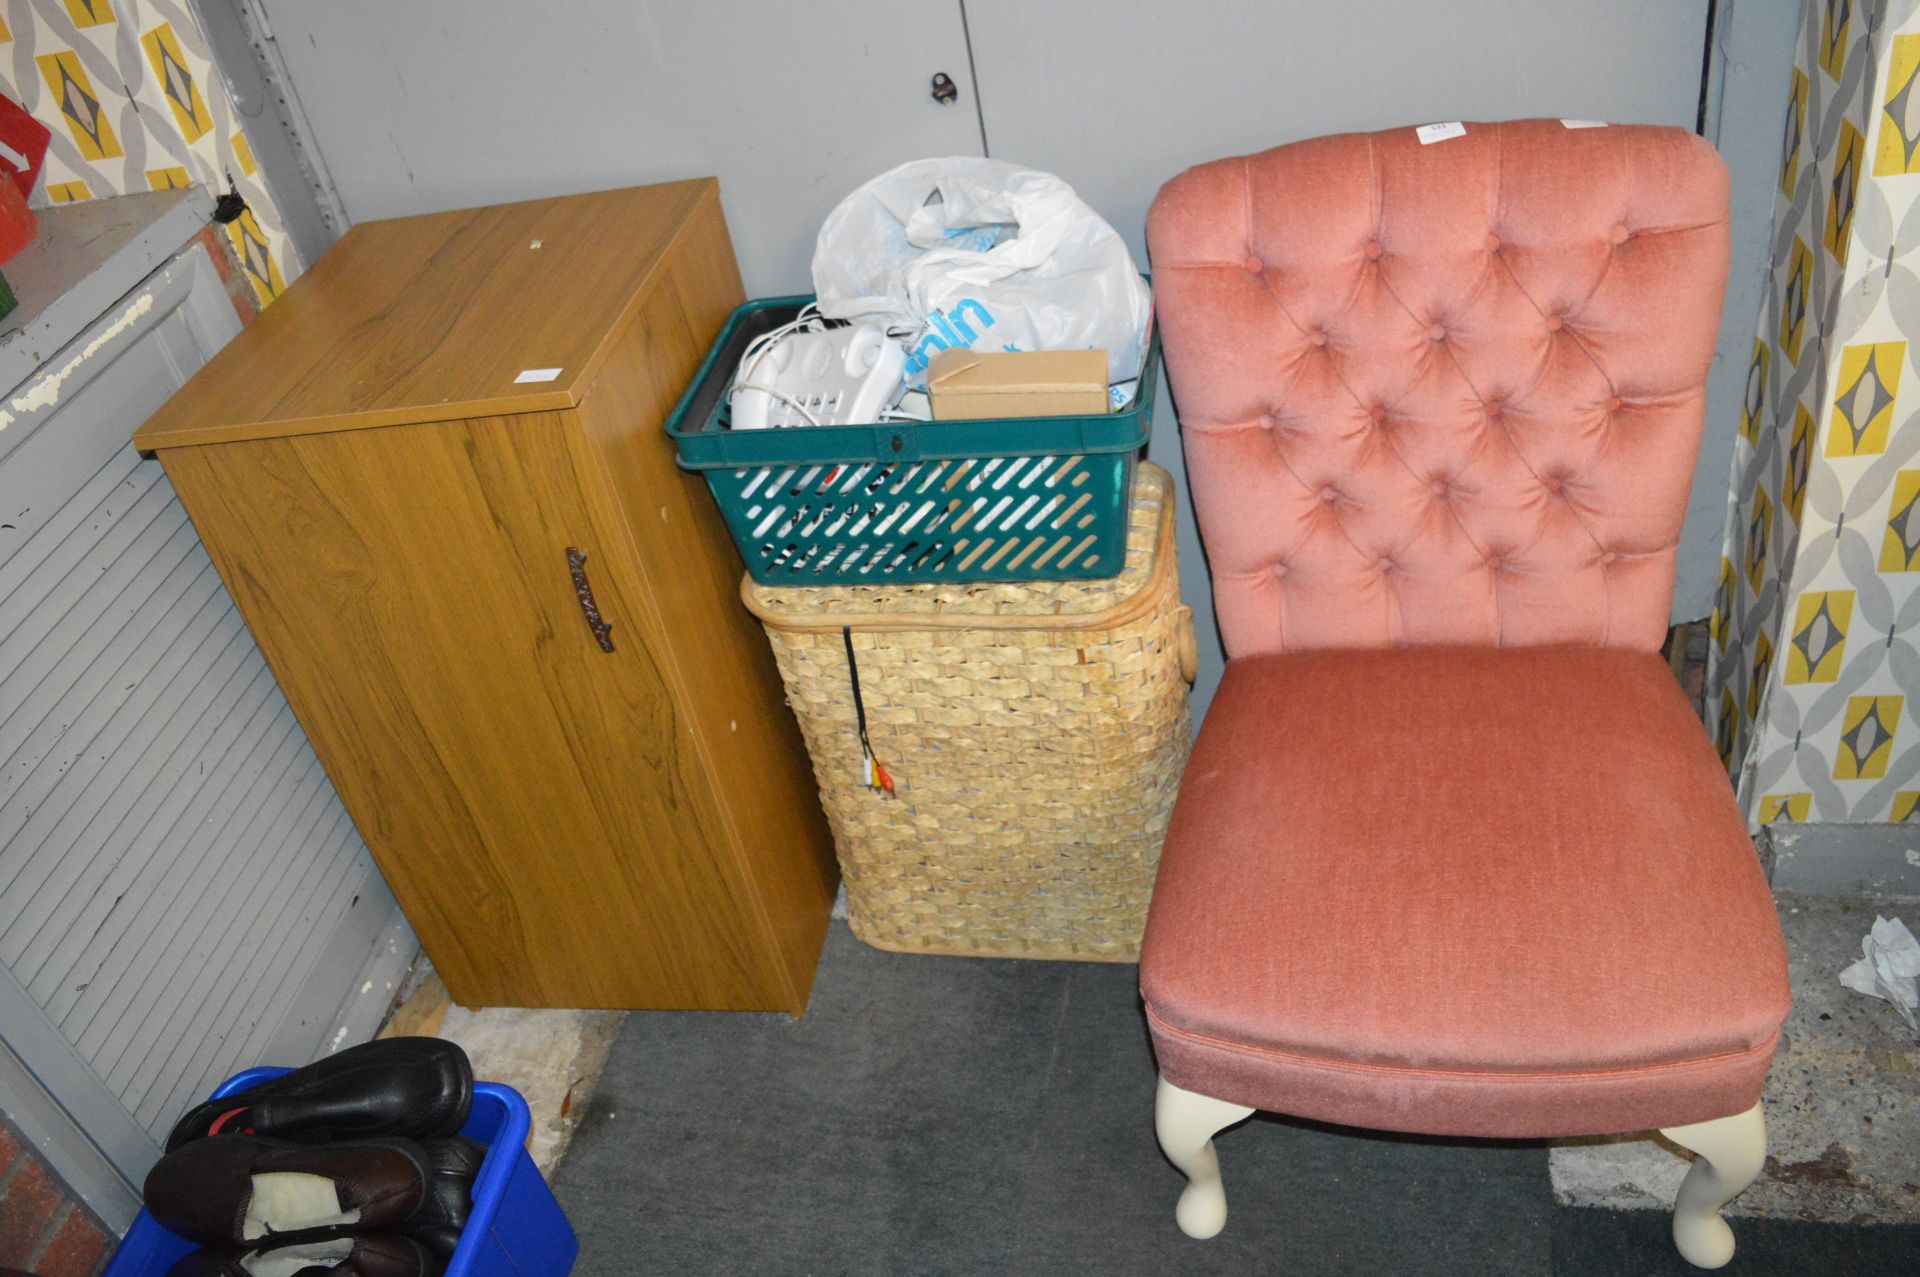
1889	963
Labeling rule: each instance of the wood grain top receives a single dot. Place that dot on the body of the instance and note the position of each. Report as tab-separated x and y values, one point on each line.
430	318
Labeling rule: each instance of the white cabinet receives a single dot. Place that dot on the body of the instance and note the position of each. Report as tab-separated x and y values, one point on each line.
181	892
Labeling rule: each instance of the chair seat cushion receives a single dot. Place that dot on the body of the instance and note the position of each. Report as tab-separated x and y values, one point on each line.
1495	892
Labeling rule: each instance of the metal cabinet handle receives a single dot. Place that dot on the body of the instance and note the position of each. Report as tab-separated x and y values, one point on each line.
602	629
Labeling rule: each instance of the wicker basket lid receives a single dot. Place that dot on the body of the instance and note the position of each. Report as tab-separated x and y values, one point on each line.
1010	604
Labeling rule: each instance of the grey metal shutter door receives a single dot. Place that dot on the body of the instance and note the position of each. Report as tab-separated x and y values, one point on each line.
181	893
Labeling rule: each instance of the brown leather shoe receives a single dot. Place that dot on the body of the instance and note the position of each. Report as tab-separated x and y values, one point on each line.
373	1255
241	1190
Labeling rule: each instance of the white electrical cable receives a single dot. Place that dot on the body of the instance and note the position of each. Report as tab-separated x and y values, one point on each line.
808	314
760	346
781	395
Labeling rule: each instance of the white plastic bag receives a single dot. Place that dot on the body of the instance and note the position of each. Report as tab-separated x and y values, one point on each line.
982	254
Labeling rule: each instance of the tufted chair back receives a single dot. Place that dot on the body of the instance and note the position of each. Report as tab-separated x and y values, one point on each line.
1446	393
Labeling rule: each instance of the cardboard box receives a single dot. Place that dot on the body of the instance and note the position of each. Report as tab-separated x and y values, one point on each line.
967	384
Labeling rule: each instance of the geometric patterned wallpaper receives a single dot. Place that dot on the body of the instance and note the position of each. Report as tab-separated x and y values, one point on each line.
135	104
1813	683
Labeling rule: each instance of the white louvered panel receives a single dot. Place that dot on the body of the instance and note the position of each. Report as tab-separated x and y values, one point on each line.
174	865
84	814
245	1002
169	847
75	752
231	946
106	812
227	684
253	725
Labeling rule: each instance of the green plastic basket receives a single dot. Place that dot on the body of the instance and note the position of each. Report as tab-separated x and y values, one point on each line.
1017	499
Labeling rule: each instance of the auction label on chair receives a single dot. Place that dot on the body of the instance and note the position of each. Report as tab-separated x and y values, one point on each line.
1431	133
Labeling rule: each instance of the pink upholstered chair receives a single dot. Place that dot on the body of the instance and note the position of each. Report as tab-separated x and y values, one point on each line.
1453	854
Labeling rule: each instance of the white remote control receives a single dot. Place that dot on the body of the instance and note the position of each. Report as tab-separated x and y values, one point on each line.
839	376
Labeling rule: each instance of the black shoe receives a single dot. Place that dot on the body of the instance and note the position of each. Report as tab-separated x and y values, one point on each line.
452	1165
416	1088
373	1255
246	1190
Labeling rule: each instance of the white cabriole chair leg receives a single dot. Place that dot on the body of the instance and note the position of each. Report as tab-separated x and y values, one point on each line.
1186	1123
1728	1154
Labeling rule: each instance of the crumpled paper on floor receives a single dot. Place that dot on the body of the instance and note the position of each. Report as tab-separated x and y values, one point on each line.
1889	963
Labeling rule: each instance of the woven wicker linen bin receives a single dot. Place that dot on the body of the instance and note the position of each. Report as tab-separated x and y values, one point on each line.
1036	734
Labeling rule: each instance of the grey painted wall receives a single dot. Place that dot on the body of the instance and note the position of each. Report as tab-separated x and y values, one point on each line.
428	106
437	104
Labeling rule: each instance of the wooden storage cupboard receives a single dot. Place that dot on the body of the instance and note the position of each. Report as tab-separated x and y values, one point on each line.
434	478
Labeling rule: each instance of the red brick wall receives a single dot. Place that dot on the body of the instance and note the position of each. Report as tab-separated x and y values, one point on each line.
233	276
43	1229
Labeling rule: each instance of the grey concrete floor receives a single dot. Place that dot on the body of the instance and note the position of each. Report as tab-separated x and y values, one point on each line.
968	1116
1842	1102
991	1118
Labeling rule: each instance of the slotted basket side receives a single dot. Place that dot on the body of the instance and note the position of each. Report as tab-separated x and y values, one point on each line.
1036	757
989	519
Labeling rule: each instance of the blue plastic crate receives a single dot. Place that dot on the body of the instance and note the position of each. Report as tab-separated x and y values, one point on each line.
516	1230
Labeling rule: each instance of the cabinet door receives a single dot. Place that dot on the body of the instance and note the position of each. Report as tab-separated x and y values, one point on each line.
535	801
